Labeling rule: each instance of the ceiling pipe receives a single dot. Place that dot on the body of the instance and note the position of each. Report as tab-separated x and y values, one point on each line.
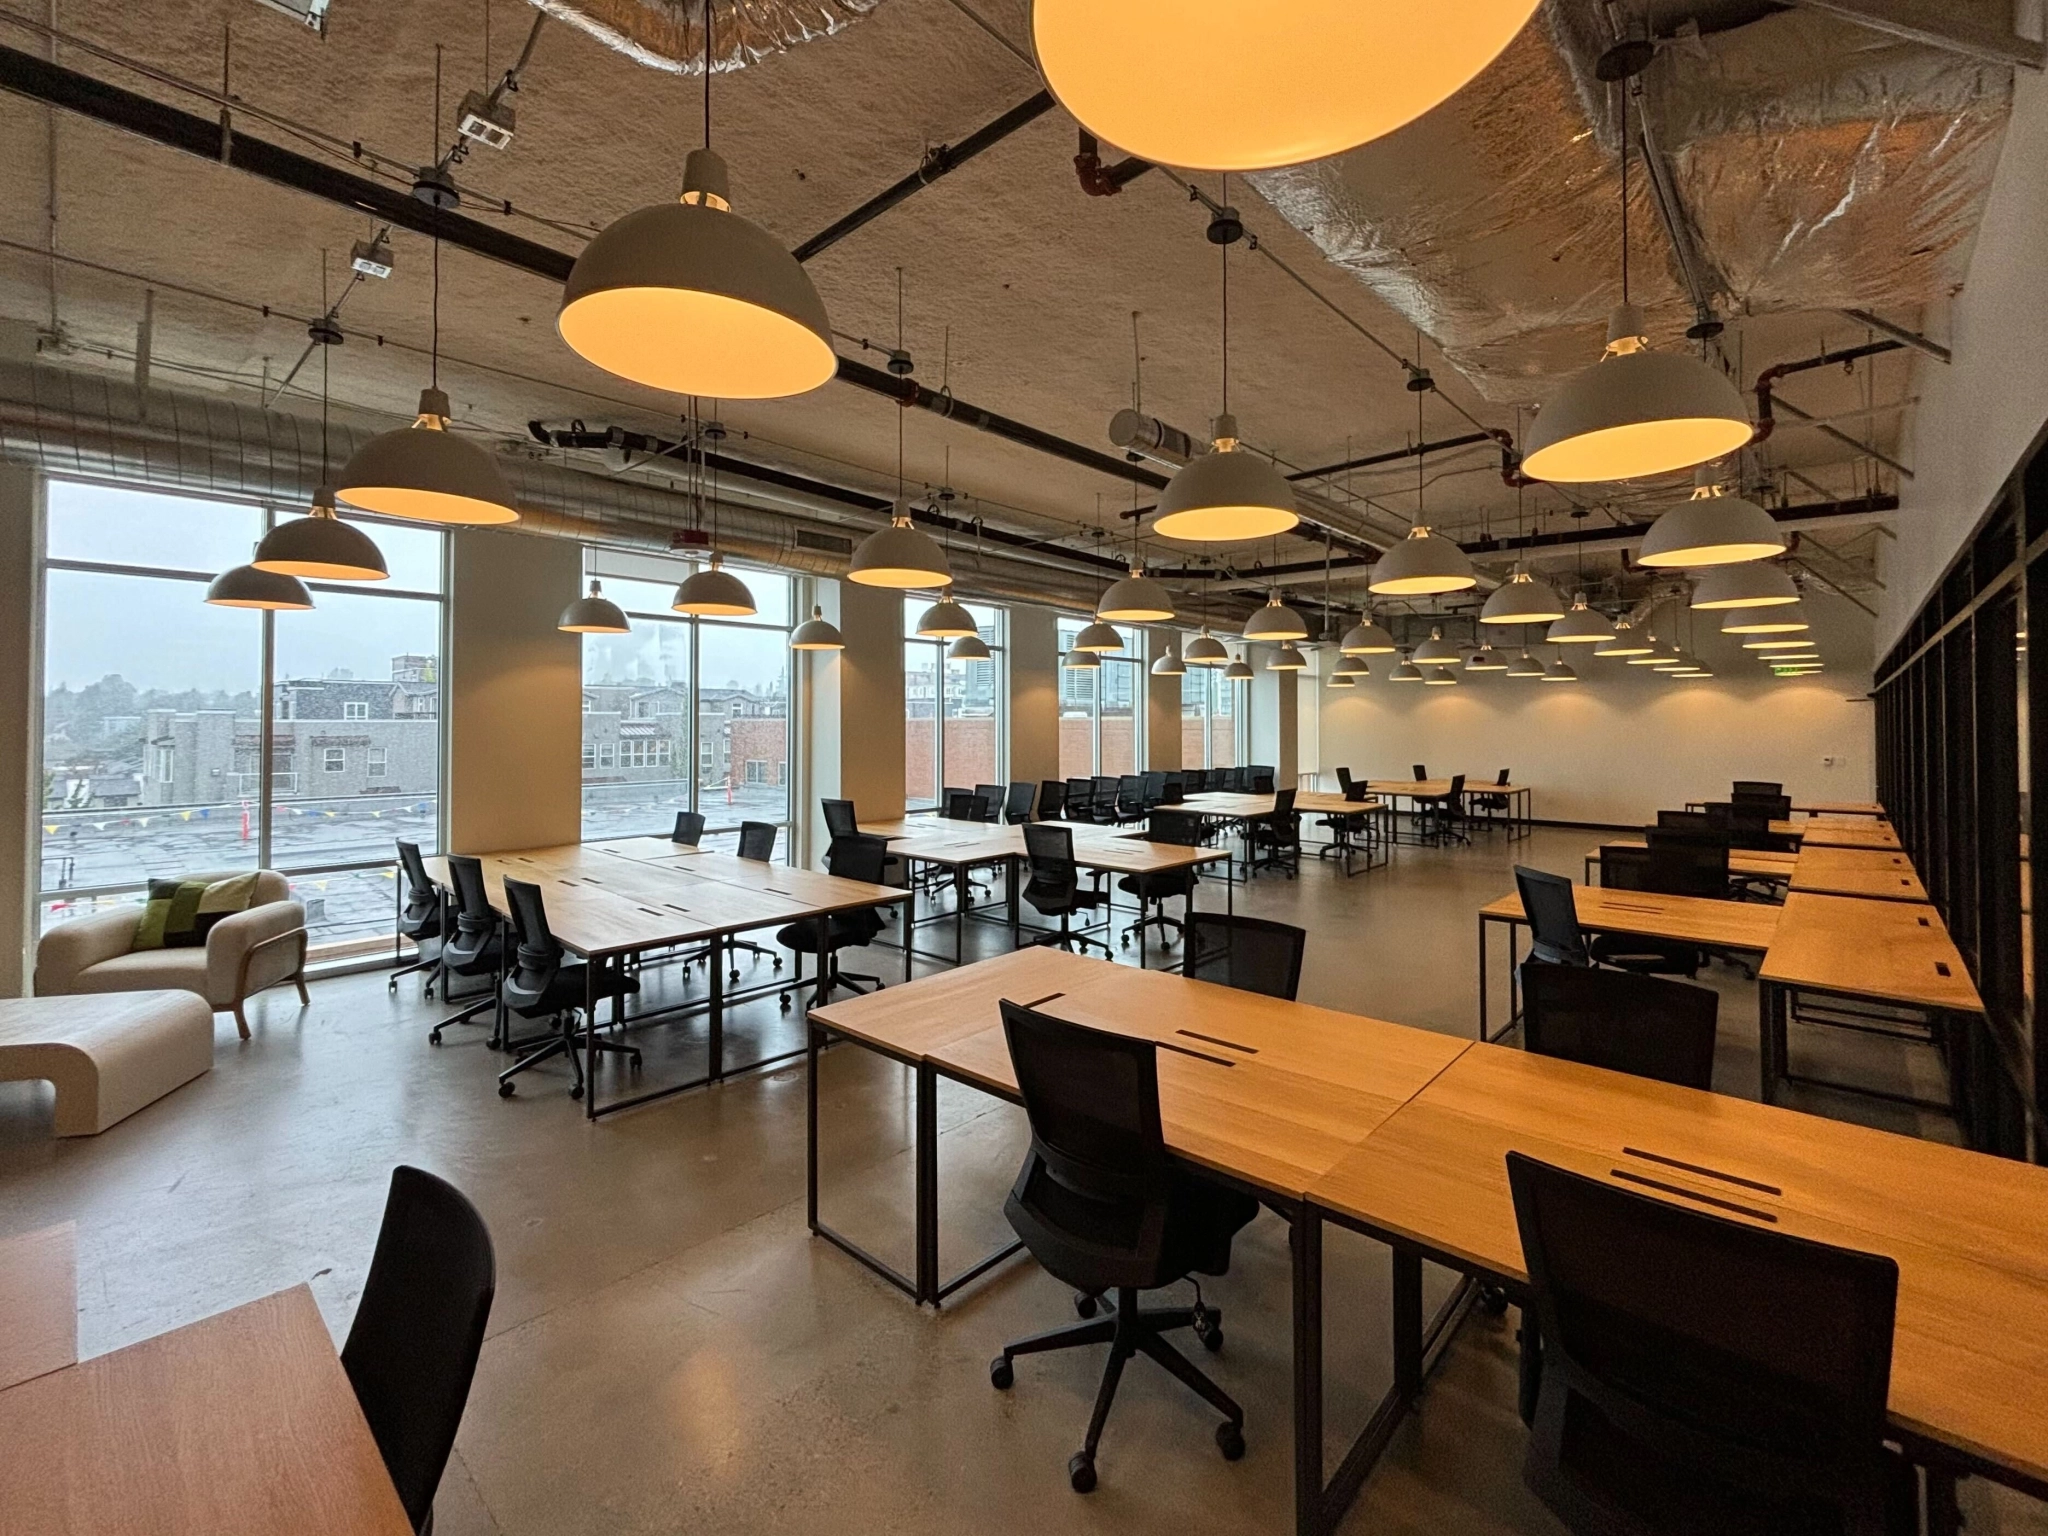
1766	382
1913	339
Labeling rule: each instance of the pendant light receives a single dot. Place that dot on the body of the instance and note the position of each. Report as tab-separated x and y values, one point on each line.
1625	642
1486	659
1526	666
1099	637
1424	564
320	545
817	634
1752	584
1685	664
424	473
244	586
1275	621
1287	659
1442	677
1352	667
900	555
1082	661
1522	599
1559	671
1405	672
1582	626
1436	651
711	592
1668	659
594	615
1170	664
1205	650
1713	528
1635	412
1239	670
1773	643
1365	638
947	620
1230	495
1342	680
1784	619
1651	655
1137	599
969	648
1313	78
694	299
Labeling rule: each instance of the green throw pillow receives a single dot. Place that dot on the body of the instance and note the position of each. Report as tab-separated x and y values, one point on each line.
180	913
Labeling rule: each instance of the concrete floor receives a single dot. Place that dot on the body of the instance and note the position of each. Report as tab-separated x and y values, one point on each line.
670	1350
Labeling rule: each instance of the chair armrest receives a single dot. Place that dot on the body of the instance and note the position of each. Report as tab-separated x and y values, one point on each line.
69	949
231	940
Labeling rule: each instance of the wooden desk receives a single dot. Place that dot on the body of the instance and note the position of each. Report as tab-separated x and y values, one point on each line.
1969	1386
1822	832
241	1425
1871	873
1838	808
38	1303
1750	864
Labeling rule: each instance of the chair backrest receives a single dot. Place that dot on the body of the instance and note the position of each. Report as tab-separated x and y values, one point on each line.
1457	790
757	840
1130	793
1105	793
1344	780
1052	800
1696	822
1283	804
1017	807
956	804
476	922
412	1347
1744	1364
1253	954
1502	781
1624	868
536	954
1196	780
1775	807
422	896
1180	828
1755	789
1745	826
690	826
1080	799
840	821
1155	789
1684	865
1553	913
991	796
1049	852
863	858
1643	1025
1262	784
1421	772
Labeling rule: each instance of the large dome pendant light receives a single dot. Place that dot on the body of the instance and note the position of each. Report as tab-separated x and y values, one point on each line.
594	615
1636	412
817	633
1751	584
1366	638
244	586
1308	78
1275	621
947	620
1170	663
1711	529
692	298
713	592
1230	495
1522	599
900	556
1137	599
1584	625
1424	564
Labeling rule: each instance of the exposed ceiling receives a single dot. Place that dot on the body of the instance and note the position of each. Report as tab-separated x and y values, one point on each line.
1492	223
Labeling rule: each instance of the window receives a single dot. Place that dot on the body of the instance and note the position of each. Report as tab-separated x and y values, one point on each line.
1102	709
1209	716
954	712
379	762
155	713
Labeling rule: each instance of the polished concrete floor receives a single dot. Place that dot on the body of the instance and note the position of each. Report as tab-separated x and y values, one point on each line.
671	1350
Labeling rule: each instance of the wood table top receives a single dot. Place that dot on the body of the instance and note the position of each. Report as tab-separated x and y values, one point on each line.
911	1020
1754	864
1891	951
38	1303
1095	846
241	1425
1308	802
1237	804
1423	786
1746	925
1970	1364
1838	808
1872	872
1845	832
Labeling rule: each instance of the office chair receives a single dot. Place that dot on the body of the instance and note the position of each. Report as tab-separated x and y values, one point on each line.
1490	805
1262	783
689	829
1181	831
1698	823
1746	825
1103	1207
1155	790
1196	780
1421	773
412	1347
1105	798
476	947
1684	864
420	919
1638	869
850	858
1776	807
1130	799
991	796
757	840
1054	885
958	805
1703	1374
840	820
1276	838
1755	789
1640	1025
1052	800
1017	808
1252	954
1343	781
1174	791
1080	805
539	984
1553	914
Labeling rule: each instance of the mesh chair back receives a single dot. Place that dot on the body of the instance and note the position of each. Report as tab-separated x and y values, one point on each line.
1742	1369
1262	784
422	896
1745	826
1017	808
537	953
1344	780
1643	1025
1105	796
1502	781
1179	828
690	827
1052	800
840	820
1755	789
1553	913
1155	789
412	1348
1253	954
1049	853
1683	865
1196	780
476	923
1130	795
1624	868
991	797
957	804
1456	797
1698	823
1421	772
860	857
757	840
1080	799
1283	804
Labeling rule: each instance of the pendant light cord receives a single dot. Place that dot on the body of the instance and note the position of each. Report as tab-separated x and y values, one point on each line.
325	461
900	406
708	6
1226	306
434	355
1624	191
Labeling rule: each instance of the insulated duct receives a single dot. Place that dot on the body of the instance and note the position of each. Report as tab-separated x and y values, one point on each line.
1818	165
669	34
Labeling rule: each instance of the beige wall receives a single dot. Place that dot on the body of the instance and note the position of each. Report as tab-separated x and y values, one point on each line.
1033	655
1276	721
1621	745
1163	744
21	706
515	693
856	709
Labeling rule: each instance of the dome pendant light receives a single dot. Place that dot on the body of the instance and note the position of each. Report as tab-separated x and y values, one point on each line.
1275	621
1751	584
1205	650
1100	638
817	634
1625	642
1365	638
1522	599
594	615
1526	666
1713	528
900	555
1312	79
1230	495
1424	564
1784	619
1436	651
1486	659
1650	656
1082	661
1170	664
1582	626
1559	672
714	592
1350	667
692	298
1635	412
1137	599
1239	671
244	586
969	648
1287	659
1405	672
1344	679
320	545
947	620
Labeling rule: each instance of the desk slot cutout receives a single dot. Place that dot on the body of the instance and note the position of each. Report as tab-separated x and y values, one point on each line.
1702	1170
1228	1045
1694	1195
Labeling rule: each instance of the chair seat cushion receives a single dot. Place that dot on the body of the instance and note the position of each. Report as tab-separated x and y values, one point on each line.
145	970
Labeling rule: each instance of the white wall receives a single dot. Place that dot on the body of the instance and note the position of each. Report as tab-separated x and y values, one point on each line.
1978	416
1033	655
1624	743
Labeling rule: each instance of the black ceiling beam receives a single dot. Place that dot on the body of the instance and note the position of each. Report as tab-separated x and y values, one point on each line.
1414	450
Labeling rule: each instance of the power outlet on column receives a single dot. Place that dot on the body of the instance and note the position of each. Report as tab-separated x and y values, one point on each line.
1831	762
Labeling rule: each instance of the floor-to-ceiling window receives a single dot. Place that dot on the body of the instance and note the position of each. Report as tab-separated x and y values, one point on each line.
1209	717
685	713
157	709
1102	709
953	711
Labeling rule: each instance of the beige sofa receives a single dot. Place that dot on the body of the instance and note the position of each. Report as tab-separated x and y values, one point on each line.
245	953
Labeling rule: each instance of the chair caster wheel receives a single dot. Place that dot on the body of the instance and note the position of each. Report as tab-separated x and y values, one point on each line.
734	978
1000	1375
778	962
1230	1440
1494	1299
636	1061
391	986
1085	1305
504	1090
1126	941
1209	1328
785	1002
1081	1472
434	1037
576	1091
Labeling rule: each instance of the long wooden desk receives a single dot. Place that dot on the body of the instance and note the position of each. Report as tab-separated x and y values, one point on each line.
241	1425
1372	815
1838	808
1847	832
1750	864
1521	798
1874	873
38	1303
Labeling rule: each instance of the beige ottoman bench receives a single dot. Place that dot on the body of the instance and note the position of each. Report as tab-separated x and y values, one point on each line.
107	1054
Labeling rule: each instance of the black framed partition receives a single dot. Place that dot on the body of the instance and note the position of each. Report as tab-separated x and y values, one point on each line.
1960	717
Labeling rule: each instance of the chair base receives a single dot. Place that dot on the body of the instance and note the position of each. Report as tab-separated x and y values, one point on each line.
564	1041
1133	1330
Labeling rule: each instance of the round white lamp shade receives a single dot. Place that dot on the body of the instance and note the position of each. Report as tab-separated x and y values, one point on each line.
714	593
1100	638
1238	671
1205	650
1287	659
817	633
1526	666
1711	529
1626	642
1350	666
1582	626
1170	664
243	586
1522	599
595	614
1275	621
1406	672
1750	584
1225	497
947	620
969	648
1082	661
1366	638
1783	619
1137	599
426	474
1486	659
1422	565
1343	679
321	547
1436	651
1560	672
901	556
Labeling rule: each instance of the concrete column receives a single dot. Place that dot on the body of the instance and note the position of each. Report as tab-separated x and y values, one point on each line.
1033	644
515	693
1275	722
21	701
1162	708
856	730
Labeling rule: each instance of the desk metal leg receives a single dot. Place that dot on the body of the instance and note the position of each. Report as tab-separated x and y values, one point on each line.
927	1183
1306	1243
909	1285
1768	1003
590	965
1482	976
717	1012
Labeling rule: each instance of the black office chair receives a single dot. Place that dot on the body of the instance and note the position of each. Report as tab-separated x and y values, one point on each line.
958	805
1747	825
541	984
1698	823
689	829
1443	816
1196	780
474	949
1103	1207
1105	798
1755	789
1553	915
1155	790
412	1347
1052	801
1017	808
1275	839
1421	773
1080	803
1253	954
1343	781
1776	807
1492	806
1054	887
1262	783
1156	889
840	820
757	840
991	796
1681	863
421	917
1641	1025
1704	1375
850	858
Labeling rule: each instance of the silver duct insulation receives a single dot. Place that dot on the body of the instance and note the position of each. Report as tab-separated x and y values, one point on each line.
97	426
669	34
1814	160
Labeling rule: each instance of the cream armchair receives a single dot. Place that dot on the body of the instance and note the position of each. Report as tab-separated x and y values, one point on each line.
246	952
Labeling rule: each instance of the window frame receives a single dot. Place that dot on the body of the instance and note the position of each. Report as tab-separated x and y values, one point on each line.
998	662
